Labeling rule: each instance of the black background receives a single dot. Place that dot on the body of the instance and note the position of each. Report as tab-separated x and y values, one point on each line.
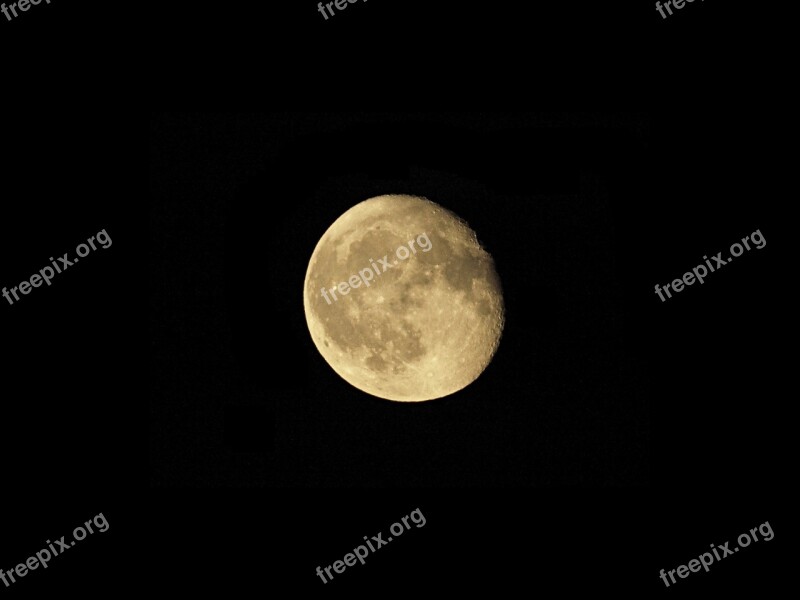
565	401
595	149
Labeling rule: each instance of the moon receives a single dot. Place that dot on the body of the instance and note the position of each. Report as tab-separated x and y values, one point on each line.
402	301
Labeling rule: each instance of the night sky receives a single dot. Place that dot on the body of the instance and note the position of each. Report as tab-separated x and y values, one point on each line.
170	383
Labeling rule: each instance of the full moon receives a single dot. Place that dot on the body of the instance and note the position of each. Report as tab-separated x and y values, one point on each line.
402	301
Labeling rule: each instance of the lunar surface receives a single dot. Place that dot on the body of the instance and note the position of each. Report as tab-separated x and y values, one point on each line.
402	301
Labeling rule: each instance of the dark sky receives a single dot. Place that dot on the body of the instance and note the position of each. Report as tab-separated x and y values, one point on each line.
170	382
552	198
600	388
